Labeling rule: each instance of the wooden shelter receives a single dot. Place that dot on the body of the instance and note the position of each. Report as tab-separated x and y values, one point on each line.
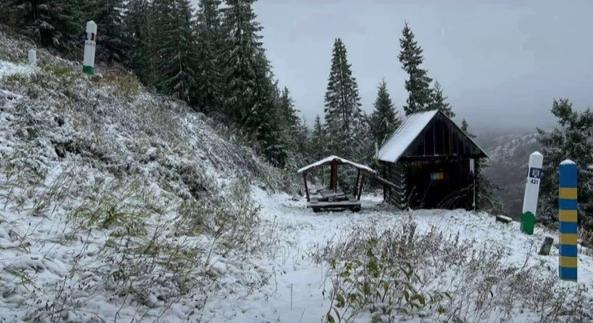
433	163
333	198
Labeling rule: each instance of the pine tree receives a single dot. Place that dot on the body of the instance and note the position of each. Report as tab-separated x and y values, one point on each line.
210	44
384	119
250	95
247	73
438	101
572	139
53	23
140	20
318	140
112	34
342	105
174	48
293	131
465	128
418	82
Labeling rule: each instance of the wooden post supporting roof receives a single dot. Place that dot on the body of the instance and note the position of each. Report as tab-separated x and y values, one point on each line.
306	188
360	188
357	182
333	184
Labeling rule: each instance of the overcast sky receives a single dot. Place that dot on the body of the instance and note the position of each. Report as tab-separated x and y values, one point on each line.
501	63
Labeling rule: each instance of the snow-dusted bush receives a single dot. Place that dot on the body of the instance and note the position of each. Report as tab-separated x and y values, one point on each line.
401	274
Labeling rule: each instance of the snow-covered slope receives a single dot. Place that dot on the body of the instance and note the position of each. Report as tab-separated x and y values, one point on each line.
120	205
300	289
115	203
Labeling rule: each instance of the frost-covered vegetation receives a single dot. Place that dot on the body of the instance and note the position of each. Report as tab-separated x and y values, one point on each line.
116	203
401	273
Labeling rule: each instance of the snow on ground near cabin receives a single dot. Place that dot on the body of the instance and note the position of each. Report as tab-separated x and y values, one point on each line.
296	291
8	68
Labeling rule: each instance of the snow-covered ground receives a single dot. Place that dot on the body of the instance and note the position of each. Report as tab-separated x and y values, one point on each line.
299	288
94	173
9	68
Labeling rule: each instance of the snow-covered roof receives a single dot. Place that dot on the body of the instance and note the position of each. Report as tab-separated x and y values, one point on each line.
340	160
403	137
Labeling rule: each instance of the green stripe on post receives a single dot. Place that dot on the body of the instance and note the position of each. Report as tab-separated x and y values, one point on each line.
88	70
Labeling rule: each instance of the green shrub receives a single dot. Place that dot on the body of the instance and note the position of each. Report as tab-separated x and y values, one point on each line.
57	70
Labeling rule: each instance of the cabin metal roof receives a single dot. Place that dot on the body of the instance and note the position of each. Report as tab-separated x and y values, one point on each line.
395	147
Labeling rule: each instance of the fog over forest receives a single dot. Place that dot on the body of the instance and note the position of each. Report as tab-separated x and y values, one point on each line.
500	63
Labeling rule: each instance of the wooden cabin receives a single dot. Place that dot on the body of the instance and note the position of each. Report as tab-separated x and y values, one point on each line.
433	163
333	198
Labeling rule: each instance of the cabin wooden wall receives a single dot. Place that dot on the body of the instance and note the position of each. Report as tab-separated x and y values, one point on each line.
412	176
396	174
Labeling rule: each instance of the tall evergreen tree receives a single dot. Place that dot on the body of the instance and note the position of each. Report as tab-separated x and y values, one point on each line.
247	69
384	119
438	101
250	95
293	131
174	48
140	20
342	104
54	23
210	44
572	139
112	35
418	82
318	140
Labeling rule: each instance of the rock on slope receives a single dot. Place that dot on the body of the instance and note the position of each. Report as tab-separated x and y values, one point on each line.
115	203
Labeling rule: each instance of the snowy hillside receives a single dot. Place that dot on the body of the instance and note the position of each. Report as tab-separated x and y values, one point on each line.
120	205
114	202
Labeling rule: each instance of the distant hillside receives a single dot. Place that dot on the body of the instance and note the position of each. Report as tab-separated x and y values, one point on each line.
509	156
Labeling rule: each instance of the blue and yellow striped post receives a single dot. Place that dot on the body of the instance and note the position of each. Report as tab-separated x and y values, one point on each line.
568	220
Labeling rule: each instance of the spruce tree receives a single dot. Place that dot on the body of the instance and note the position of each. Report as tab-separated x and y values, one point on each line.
438	101
210	44
342	105
384	119
465	128
293	134
174	48
140	20
318	140
246	77
53	23
112	34
418	82
572	139
250	94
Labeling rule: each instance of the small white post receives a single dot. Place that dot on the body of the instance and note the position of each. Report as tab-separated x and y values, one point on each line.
33	57
88	63
534	175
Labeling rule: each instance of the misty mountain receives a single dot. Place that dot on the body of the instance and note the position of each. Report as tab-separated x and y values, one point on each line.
509	156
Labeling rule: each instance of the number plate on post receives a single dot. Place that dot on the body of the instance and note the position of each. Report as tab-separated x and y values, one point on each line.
536	173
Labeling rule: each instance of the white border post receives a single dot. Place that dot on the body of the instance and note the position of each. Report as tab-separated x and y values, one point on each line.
534	175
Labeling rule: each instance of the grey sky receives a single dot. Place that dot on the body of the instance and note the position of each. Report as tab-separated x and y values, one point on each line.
500	62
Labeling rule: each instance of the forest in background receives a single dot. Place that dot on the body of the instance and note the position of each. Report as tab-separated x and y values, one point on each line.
213	58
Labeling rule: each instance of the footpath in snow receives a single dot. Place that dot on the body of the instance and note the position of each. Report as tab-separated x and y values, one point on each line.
299	289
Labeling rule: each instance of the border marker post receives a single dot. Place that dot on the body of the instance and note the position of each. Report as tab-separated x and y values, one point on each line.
567	206
534	176
90	45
